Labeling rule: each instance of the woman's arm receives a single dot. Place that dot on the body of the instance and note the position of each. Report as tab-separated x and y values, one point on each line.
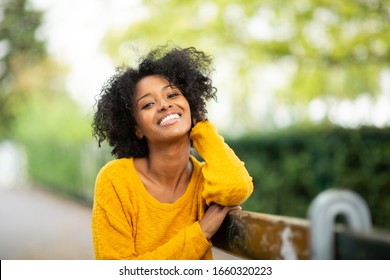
112	231
227	181
113	240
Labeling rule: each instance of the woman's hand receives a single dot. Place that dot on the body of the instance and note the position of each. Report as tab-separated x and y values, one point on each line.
200	119
214	217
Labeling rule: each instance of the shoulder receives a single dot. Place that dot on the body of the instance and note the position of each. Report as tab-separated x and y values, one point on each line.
115	169
113	179
116	165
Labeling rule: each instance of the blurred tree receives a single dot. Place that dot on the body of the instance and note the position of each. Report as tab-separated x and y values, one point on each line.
317	48
35	110
20	52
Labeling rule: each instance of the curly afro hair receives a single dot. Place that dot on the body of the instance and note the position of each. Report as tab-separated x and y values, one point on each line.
186	68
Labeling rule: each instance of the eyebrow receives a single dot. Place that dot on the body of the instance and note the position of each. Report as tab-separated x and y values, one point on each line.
143	96
163	88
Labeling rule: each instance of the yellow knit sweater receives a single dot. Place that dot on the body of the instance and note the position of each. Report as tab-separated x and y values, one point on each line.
129	223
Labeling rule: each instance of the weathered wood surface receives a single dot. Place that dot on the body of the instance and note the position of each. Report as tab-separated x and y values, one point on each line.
260	236
253	235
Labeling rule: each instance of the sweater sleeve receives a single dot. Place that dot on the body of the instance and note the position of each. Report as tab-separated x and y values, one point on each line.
227	181
113	234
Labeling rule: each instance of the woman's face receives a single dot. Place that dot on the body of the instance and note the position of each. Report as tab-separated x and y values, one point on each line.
161	111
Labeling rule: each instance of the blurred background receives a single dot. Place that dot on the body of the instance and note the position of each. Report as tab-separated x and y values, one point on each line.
303	99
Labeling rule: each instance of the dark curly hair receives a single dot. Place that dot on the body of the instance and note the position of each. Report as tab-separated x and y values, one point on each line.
186	68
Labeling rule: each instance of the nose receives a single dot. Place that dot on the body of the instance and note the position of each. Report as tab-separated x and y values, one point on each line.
165	105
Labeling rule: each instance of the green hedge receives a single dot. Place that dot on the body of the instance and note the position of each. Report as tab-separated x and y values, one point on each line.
290	168
57	167
67	168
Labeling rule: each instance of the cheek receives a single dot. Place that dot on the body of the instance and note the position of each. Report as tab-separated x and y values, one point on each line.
189	115
142	120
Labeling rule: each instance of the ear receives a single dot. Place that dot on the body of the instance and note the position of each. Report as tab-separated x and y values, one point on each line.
138	133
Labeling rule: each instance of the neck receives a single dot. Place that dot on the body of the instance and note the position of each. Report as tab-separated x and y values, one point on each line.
169	162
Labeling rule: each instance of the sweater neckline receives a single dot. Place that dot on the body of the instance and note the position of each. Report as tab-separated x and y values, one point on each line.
164	205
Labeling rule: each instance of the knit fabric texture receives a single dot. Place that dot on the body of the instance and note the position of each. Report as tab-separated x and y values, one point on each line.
129	223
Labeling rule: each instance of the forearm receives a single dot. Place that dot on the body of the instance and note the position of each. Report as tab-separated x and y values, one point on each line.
189	244
227	181
114	240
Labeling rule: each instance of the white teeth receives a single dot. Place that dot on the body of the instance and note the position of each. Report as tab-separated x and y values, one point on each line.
170	117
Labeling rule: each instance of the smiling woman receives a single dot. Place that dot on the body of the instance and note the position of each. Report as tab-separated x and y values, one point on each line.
163	105
187	69
157	201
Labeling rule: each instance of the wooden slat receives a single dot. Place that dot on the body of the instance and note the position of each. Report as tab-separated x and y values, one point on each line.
253	235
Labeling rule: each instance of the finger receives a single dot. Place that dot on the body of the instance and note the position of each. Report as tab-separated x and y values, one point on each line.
234	208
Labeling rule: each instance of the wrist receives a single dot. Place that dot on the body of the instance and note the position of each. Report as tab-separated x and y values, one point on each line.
206	233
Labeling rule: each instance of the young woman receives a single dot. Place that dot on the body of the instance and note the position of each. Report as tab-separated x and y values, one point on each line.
156	200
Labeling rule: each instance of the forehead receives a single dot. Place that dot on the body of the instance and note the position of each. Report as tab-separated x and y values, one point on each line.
151	84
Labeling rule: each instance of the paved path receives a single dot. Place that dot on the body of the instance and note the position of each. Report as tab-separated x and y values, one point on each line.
36	224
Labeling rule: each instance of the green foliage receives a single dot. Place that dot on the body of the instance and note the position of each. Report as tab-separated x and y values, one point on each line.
55	135
20	51
56	166
52	118
335	49
290	168
35	111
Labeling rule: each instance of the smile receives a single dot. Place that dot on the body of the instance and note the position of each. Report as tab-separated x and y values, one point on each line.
168	118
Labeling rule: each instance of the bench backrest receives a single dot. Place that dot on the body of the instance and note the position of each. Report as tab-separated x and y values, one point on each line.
254	235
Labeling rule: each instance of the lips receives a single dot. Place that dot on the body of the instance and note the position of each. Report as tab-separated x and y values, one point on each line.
166	119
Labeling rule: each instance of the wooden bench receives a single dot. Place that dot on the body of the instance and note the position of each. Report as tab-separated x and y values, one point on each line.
252	235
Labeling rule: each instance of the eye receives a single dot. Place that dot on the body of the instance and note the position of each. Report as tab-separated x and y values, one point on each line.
173	94
147	105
